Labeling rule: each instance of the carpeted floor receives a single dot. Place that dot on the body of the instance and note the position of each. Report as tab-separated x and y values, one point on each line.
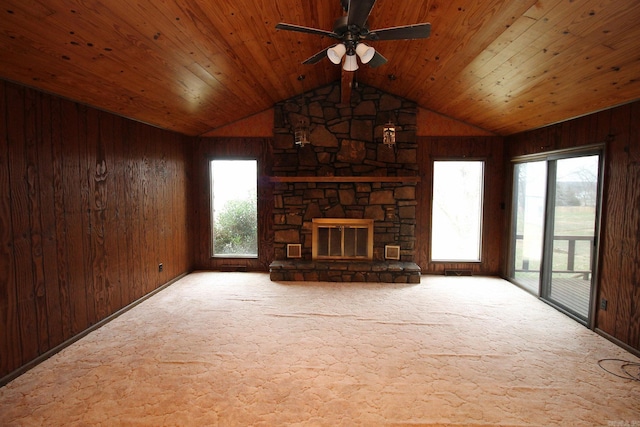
237	349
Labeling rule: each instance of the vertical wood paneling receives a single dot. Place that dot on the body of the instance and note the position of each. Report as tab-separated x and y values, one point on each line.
32	133
74	212
48	221
628	314
125	215
10	340
93	232
120	221
85	176
614	206
266	202
147	215
423	200
62	259
634	158
98	175
89	203
18	172
133	194
163	216
110	126
627	215
202	208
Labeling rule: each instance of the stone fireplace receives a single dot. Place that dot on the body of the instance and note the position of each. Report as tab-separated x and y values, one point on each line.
346	174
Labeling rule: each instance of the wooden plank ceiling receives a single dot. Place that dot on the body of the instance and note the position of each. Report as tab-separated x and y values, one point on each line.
195	65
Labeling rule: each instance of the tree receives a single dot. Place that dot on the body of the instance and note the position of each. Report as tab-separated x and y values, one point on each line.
236	228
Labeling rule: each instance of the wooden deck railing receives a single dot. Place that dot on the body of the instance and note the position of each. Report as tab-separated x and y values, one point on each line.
571	256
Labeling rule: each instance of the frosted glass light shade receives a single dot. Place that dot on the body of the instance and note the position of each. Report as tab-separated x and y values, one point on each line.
336	53
365	52
350	63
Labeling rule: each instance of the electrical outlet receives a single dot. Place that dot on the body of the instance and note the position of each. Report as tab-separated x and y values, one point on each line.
160	268
603	304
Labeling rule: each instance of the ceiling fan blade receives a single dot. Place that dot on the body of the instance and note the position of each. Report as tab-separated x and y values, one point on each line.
377	60
359	11
317	57
301	29
405	32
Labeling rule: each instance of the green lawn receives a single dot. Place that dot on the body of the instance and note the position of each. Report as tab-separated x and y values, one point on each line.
569	221
574	220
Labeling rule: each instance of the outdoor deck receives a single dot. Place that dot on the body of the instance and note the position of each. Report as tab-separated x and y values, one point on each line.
573	293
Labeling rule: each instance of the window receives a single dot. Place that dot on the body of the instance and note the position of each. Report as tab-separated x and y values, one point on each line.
234	208
456	220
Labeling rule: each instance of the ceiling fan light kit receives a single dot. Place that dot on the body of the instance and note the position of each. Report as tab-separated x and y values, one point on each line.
350	63
351	30
336	53
365	52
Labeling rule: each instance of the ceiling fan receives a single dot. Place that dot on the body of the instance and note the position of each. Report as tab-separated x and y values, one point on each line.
351	29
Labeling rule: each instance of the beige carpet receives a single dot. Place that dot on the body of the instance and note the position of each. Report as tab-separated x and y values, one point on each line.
237	349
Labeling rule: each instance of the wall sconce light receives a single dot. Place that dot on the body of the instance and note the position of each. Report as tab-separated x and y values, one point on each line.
301	130
389	214
301	133
389	134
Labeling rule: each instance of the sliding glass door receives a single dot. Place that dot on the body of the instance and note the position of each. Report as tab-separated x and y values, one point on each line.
553	239
530	191
570	233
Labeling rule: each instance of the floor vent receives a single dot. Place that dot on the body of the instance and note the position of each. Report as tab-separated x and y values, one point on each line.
457	273
232	267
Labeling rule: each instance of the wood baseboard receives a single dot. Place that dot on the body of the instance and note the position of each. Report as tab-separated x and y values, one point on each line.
617	342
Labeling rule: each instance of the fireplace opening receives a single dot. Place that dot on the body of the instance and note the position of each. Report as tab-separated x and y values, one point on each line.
342	239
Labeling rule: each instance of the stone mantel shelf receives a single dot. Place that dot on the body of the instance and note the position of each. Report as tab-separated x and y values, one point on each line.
345	179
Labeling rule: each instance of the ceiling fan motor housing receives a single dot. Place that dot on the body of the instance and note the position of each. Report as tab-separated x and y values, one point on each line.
349	34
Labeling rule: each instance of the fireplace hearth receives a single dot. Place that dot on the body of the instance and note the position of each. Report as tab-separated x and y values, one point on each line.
345	271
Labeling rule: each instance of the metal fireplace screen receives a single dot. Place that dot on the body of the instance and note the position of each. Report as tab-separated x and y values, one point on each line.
340	238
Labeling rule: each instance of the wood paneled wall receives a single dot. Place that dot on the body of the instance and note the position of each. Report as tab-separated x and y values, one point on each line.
90	204
619	278
208	149
490	149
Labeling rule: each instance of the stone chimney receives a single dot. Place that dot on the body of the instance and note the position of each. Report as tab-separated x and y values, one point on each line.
346	171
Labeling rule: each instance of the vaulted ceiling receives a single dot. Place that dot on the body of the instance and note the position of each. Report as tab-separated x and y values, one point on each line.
195	65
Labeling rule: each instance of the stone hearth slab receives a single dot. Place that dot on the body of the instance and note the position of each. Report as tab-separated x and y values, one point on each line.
345	271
